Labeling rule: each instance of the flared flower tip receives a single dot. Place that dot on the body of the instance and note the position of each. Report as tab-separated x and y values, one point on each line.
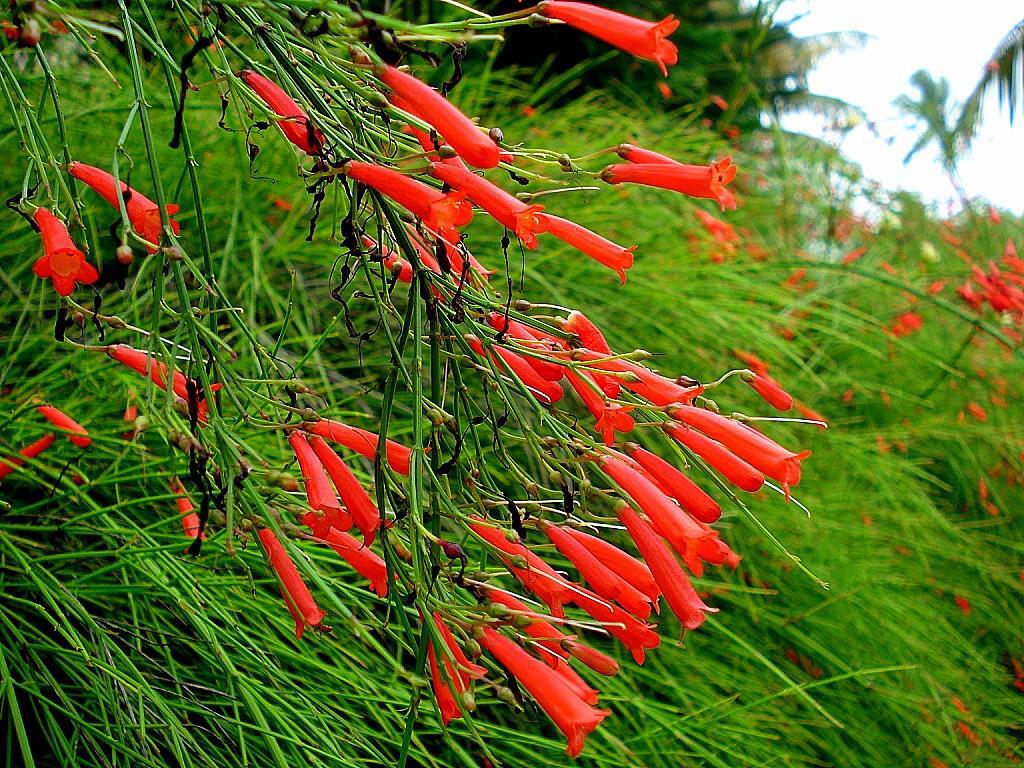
62	262
582	728
663	51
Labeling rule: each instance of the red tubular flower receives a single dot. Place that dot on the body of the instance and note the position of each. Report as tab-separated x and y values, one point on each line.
631	632
458	131
681	530
756	449
446	702
733	468
609	418
600	249
640	156
545	391
543	632
520	332
76	432
361	441
701	181
444	212
679	593
143	213
604	581
644	39
624	564
575	682
189	519
319	493
573	716
458	671
467	670
537	576
62	261
677	485
355	498
30	451
656	388
300	602
363	560
391	260
591	337
296	125
523	220
145	364
769	389
597	661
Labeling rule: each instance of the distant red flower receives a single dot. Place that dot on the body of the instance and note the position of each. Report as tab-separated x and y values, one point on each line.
724	233
444	212
701	181
524	221
76	433
690	496
297	597
752	361
906	324
361	441
977	411
354	497
473	145
573	716
600	249
665	90
968	294
143	213
62	261
769	389
296	125
644	39
675	585
936	287
719	102
186	510
853	255
30	451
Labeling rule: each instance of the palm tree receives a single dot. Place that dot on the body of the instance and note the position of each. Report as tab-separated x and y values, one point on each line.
1005	72
936	113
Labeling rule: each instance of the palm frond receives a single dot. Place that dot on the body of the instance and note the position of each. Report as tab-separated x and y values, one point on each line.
1005	72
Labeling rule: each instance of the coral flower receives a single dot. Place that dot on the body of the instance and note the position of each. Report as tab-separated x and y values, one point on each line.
625	565
679	593
547	392
681	530
644	39
363	560
143	213
319	493
677	485
355	498
659	389
62	261
444	212
733	468
600	249
361	441
597	574
769	389
597	661
701	181
747	443
30	451
76	432
458	131
591	338
543	632
631	632
576	683
573	716
186	510
523	220
521	332
297	597
537	576
296	125
145	364
458	671
446	702
609	418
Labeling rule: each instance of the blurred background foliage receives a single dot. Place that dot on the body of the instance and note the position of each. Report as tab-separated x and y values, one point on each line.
116	649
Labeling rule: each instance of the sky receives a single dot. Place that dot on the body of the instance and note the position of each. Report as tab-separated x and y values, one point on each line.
949	38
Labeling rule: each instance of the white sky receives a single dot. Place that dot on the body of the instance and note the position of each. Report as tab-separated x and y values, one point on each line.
949	38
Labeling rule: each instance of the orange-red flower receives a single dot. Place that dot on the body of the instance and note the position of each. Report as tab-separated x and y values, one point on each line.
547	637
644	39
444	212
30	451
600	249
458	671
361	441
769	389
628	630
319	493
625	565
75	432
523	220
62	261
677	485
702	181
296	125
573	716
363	560
733	468
186	510
354	497
392	261
458	131
297	597
590	336
609	418
545	391
679	593
521	332
145	364
143	213
659	389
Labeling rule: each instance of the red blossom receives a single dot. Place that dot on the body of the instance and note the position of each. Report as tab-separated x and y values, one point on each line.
190	523
296	125
523	333
361	441
62	261
545	391
609	418
701	181
769	389
546	635
734	469
690	496
76	433
637	636
319	493
297	597
625	565
600	249
354	497
145	364
30	451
